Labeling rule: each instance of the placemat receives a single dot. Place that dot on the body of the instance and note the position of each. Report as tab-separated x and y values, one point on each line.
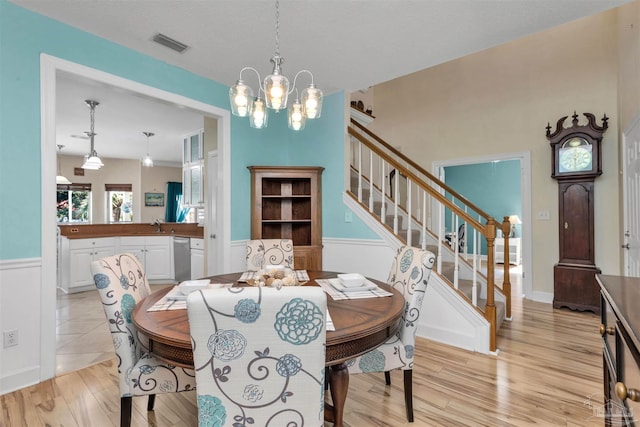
301	275
176	300
329	321
338	295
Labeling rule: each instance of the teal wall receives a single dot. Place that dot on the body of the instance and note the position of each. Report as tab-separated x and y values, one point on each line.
321	143
24	35
494	187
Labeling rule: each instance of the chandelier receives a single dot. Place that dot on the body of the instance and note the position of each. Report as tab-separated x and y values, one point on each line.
275	89
92	161
147	161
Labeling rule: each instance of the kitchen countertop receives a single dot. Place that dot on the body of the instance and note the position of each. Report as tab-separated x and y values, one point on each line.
84	231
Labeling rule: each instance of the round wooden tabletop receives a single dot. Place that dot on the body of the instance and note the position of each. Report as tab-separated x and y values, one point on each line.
360	324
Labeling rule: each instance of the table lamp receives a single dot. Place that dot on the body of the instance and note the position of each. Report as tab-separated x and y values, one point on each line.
514	219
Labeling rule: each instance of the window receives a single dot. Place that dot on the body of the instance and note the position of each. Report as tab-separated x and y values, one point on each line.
74	203
119	202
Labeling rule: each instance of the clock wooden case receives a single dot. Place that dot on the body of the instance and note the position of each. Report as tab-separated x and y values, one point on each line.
576	162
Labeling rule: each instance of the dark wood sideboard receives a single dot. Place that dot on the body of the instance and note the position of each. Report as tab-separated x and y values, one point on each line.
620	330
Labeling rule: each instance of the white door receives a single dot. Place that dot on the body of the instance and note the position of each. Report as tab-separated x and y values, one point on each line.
212	212
631	183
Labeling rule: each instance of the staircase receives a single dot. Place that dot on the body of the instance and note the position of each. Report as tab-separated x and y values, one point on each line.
405	204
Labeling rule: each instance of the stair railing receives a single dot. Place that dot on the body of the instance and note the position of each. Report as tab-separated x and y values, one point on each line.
385	168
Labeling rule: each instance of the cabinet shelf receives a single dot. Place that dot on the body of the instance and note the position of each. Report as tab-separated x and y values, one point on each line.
285	221
286	204
293	196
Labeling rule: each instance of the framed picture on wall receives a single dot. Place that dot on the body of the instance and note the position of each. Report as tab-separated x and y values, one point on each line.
154	199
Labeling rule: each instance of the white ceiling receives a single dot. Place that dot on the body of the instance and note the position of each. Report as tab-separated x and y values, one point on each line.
347	44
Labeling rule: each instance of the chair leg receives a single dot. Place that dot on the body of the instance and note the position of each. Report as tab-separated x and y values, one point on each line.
151	402
408	393
125	411
326	379
387	377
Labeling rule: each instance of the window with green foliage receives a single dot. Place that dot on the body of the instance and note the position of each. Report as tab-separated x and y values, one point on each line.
74	203
120	202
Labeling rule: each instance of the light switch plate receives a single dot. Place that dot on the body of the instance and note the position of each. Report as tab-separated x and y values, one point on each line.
544	215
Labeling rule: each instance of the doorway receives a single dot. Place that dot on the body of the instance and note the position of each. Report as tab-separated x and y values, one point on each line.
524	159
50	66
631	194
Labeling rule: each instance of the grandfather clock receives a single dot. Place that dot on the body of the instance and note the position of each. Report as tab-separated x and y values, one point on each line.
575	163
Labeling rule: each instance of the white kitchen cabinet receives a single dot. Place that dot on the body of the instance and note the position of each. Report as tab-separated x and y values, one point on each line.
154	252
193	169
514	250
197	258
81	252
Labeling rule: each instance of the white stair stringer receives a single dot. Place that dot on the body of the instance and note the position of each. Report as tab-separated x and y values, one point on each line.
448	319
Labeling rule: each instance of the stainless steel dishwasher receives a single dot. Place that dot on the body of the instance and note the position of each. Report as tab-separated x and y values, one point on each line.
182	258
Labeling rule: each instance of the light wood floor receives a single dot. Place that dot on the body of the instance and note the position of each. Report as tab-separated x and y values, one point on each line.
548	373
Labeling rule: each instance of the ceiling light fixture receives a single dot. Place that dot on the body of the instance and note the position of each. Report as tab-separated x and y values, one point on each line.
61	179
92	161
275	88
147	161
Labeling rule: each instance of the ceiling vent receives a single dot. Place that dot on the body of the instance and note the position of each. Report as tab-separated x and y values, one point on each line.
170	43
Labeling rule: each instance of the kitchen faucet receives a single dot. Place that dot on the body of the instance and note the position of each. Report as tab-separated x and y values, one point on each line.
157	223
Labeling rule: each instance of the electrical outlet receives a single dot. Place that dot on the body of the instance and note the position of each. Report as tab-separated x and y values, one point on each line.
348	216
10	338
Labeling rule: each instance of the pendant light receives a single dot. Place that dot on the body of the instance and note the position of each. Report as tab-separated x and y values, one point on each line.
275	88
147	161
92	161
61	179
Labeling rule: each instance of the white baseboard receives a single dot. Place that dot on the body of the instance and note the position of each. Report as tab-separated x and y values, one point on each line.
19	379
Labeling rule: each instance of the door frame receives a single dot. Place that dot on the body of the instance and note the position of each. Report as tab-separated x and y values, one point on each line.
525	200
49	67
626	191
212	243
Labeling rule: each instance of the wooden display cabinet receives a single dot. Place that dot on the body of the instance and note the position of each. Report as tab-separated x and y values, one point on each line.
286	204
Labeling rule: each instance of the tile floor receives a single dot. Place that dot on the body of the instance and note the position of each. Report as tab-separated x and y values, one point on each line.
82	334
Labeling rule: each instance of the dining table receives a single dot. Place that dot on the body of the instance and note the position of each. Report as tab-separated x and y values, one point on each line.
360	324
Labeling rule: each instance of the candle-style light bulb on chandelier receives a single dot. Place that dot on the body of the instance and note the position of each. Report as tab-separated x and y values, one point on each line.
147	161
92	161
275	89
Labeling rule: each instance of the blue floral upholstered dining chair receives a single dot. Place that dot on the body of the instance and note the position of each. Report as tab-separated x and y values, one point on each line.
259	355
269	252
409	275
121	283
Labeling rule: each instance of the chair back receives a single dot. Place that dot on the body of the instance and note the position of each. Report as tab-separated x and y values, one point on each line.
269	252
121	283
259	355
409	275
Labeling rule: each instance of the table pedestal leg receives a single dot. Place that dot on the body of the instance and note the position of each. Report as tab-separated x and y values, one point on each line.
339	385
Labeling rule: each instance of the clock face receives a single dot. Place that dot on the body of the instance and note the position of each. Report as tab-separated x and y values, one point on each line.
575	155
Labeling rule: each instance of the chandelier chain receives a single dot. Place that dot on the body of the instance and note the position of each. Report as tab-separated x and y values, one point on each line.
277	28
